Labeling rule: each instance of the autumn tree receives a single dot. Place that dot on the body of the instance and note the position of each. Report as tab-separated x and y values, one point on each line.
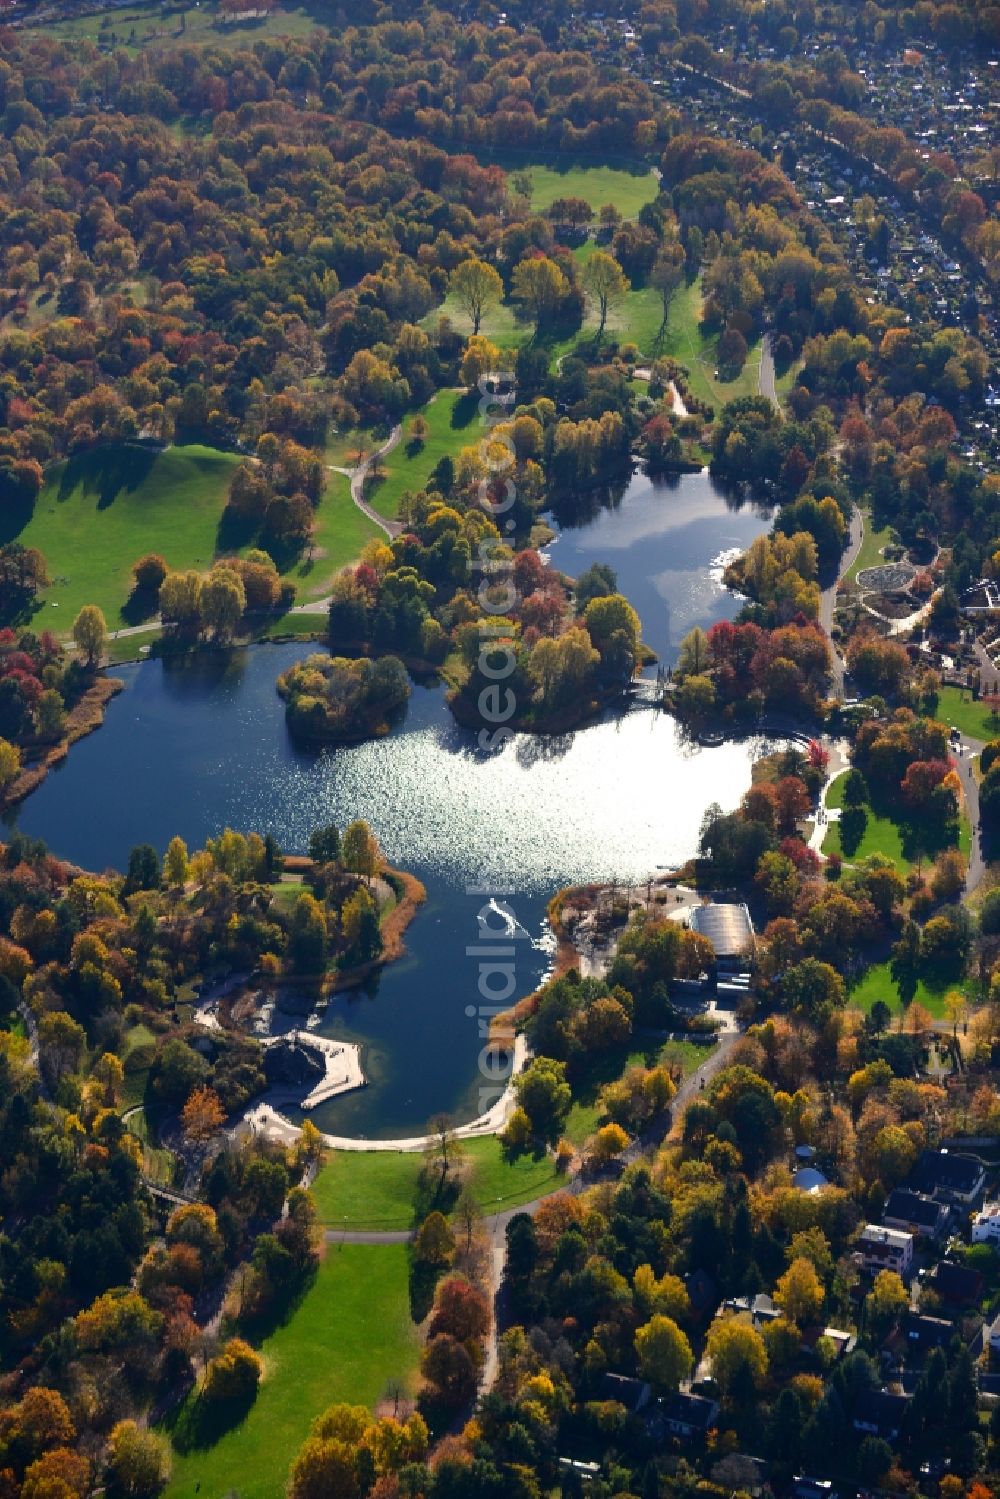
540	286
435	1243
202	1116
476	286
799	1292
10	762
138	1462
664	1353
90	632
606	283
233	1375
737	1354
666	276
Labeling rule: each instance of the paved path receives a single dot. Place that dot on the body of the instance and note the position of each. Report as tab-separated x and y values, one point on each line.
766	379
358	476
828	600
977	863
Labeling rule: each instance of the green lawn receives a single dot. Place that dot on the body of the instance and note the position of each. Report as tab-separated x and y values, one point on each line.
453	423
141	25
638	319
686	340
99	513
957	706
350	1335
878	983
377	1189
627	190
342	530
872	542
883	835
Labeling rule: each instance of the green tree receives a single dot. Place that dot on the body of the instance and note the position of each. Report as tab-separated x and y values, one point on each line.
90	632
175	862
545	1096
693	657
665	1356
475	286
10	762
359	849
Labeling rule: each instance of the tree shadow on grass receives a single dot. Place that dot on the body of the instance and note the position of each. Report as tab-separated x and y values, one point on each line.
139	606
234	531
198	1424
15	514
107	471
464	410
281	1309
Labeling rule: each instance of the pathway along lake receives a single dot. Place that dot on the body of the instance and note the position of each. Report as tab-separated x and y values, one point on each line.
191	747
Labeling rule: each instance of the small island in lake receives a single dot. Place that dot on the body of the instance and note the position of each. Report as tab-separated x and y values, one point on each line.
342	700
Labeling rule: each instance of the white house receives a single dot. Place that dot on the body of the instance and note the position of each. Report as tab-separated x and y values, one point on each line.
986	1224
881	1248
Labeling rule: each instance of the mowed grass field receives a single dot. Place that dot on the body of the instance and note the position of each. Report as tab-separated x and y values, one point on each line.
99	513
377	1189
957	706
349	1335
629	191
342	530
142	26
637	319
878	983
452	424
883	835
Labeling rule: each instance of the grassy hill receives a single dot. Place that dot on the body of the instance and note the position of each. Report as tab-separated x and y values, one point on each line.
348	1336
98	513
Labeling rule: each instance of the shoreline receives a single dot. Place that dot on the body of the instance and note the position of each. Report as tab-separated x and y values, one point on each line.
265	1119
85	717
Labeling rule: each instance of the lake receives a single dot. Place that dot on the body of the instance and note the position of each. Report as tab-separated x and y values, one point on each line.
190	747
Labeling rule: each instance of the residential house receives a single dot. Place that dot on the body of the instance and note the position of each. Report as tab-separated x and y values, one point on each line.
986	1224
633	1394
879	1413
813	1488
760	1308
924	1217
952	1178
689	1416
924	1334
881	1248
957	1284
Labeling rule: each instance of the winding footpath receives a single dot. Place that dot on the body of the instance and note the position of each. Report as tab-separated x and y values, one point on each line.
359	475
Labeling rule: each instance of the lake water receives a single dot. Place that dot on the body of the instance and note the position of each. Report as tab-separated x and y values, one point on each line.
191	747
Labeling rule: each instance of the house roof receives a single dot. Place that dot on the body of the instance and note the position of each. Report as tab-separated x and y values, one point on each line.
632	1393
940	1170
727	927
692	1410
912	1207
880	1408
956	1283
